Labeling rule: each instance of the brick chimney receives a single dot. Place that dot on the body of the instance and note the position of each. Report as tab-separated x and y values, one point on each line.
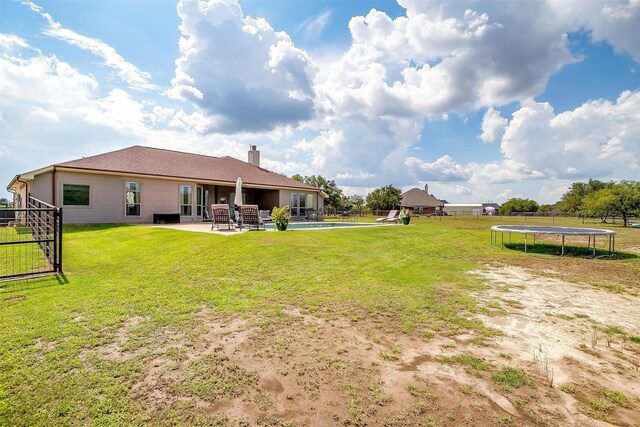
426	188
254	156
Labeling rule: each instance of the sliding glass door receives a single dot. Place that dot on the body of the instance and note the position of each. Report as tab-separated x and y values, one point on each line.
300	203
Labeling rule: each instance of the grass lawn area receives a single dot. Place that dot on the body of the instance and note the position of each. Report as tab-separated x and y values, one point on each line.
302	327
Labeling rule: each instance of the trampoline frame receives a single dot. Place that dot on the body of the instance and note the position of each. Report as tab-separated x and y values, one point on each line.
557	231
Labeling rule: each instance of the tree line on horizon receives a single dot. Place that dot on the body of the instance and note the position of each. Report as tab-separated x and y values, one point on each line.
593	198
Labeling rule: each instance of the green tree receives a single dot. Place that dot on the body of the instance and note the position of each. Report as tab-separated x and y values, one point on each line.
572	200
600	203
334	194
518	205
345	203
546	208
627	196
387	197
356	201
4	202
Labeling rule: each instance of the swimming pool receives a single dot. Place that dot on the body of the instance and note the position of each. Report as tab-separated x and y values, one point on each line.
325	225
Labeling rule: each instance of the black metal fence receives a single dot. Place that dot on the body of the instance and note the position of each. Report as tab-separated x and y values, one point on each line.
30	240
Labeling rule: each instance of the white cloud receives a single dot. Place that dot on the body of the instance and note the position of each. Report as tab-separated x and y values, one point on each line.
313	27
505	172
55	112
444	169
428	64
599	138
613	21
551	192
357	115
43	81
451	59
9	42
125	70
493	125
240	72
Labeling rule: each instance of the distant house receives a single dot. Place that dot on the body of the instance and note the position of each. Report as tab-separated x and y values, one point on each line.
463	209
133	184
421	202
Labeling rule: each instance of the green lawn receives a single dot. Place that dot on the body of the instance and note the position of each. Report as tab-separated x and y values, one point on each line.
413	278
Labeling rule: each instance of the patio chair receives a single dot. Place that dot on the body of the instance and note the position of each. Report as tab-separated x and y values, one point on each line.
265	216
392	217
221	216
251	217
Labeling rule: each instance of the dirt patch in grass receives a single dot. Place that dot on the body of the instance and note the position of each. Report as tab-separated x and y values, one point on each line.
566	358
295	368
120	348
596	272
576	336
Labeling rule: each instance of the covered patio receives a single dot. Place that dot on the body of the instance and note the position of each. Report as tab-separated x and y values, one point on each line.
208	194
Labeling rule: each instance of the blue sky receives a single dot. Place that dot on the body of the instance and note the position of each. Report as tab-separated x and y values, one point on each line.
482	100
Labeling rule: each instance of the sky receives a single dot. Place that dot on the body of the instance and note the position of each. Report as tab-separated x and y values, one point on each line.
481	100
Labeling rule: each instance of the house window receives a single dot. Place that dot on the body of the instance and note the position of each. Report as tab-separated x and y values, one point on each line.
199	200
293	204
75	195
132	198
186	200
300	203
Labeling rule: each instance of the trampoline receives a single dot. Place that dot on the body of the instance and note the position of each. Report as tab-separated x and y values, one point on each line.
535	230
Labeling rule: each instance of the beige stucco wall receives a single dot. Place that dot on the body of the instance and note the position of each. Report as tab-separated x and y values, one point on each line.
41	187
107	194
107	198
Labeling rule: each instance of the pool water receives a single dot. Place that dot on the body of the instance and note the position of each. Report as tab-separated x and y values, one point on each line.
323	225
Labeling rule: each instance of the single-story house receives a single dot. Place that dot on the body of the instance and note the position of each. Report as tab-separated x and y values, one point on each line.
463	209
421	202
132	184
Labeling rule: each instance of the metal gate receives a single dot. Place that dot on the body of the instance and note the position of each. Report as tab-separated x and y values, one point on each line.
30	240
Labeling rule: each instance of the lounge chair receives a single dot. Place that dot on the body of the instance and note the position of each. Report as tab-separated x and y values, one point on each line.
221	216
250	217
265	216
392	217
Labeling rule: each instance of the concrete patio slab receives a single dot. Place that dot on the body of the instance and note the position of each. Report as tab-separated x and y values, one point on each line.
201	227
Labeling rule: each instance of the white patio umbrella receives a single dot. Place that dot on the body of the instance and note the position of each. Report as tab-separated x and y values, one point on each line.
237	200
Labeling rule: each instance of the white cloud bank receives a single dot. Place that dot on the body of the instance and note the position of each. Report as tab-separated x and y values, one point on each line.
356	118
244	75
493	125
125	70
599	138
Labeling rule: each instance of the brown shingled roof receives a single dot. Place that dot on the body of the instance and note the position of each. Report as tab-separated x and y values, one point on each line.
417	197
176	164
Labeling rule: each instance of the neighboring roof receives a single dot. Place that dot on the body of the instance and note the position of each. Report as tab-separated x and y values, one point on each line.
463	205
176	164
418	197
